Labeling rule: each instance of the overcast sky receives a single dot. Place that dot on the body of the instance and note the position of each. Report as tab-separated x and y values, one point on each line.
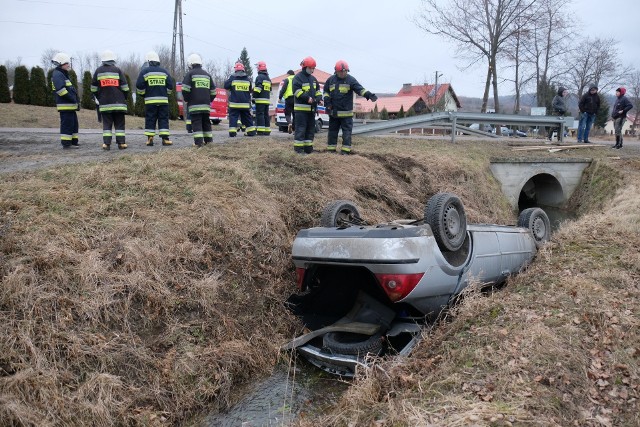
377	38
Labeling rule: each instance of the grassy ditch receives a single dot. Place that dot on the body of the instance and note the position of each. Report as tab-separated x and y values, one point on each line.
142	291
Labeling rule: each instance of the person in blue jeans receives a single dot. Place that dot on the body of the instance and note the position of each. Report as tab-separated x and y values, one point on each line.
589	105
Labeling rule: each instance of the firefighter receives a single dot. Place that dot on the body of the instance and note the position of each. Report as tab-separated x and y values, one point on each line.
286	94
239	87
199	91
66	100
155	84
110	88
307	95
338	101
262	99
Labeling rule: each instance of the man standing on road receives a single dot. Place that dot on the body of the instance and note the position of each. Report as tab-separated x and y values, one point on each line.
589	105
239	87
262	99
559	108
307	95
66	100
199	91
110	88
286	94
338	101
155	84
619	114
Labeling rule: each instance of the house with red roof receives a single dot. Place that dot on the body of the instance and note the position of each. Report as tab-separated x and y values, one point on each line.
422	98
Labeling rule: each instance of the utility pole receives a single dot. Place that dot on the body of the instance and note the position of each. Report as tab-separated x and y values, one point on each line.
435	91
177	30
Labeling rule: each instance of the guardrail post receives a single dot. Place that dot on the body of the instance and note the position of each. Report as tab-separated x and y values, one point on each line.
453	118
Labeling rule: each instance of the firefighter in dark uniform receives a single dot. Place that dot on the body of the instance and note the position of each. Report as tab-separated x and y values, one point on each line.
338	101
155	84
286	94
66	100
199	91
110	88
307	95
262	99
239	87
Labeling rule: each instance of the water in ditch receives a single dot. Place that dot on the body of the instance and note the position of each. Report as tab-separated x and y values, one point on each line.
289	394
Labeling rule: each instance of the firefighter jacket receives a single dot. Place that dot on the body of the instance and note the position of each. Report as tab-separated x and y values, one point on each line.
306	86
338	95
65	93
287	88
262	89
239	87
198	90
154	84
110	88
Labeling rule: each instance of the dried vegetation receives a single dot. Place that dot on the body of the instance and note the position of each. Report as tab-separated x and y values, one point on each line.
141	291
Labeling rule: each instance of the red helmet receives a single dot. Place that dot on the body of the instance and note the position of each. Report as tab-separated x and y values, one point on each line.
342	65
238	67
308	62
262	66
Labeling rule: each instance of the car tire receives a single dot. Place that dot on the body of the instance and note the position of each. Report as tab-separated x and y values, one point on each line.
537	222
318	125
445	214
215	121
349	343
340	213
282	128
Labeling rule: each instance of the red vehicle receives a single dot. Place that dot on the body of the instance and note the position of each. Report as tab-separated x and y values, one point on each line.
218	105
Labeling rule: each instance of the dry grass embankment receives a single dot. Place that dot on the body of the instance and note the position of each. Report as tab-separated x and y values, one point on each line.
142	291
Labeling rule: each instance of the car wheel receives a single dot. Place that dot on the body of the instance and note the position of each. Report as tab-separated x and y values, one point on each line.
537	222
445	214
318	125
282	128
215	121
340	213
352	344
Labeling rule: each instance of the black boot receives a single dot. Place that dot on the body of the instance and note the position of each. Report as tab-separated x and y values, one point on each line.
620	143
617	141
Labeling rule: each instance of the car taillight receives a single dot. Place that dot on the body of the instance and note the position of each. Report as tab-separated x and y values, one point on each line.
300	277
398	286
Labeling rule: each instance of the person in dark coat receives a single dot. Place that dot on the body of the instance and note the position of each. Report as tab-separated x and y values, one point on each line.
155	84
619	114
66	100
262	99
199	91
239	87
307	96
559	108
589	105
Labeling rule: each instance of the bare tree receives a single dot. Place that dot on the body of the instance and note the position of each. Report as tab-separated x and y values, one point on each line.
634	91
514	53
595	61
11	68
546	46
45	58
219	71
479	28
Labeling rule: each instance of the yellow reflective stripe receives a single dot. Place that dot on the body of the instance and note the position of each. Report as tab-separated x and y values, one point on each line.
262	101
67	107
62	92
242	105
298	143
257	89
345	113
301	107
103	76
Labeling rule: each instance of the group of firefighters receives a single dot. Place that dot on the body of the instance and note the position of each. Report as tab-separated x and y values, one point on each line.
301	93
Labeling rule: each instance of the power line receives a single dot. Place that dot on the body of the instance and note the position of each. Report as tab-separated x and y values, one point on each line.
89	5
84	28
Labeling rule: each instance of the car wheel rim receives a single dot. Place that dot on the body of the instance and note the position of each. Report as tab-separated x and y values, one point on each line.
539	229
452	221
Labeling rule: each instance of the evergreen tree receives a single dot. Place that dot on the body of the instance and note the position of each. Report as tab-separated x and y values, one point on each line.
244	58
384	114
38	87
411	112
375	114
5	94
602	116
173	106
400	113
51	99
73	77
129	97
87	102
21	85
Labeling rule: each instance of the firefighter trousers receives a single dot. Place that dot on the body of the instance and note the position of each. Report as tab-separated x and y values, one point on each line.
115	120
335	124
68	128
305	124
201	125
245	117
156	113
263	124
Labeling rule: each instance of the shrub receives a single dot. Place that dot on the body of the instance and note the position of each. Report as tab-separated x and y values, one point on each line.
38	95
173	106
51	99
87	102
21	85
128	97
5	94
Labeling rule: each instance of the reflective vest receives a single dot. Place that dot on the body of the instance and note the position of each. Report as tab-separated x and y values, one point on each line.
287	87
262	89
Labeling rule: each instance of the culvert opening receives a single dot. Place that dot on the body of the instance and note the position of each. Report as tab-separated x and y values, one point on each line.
545	192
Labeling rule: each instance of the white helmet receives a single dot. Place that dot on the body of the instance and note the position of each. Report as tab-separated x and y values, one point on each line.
152	56
60	58
194	59
107	55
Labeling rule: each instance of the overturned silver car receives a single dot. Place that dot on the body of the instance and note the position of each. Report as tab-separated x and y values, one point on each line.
366	290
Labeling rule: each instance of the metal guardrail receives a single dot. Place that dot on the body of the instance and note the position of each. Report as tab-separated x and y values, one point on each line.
457	121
